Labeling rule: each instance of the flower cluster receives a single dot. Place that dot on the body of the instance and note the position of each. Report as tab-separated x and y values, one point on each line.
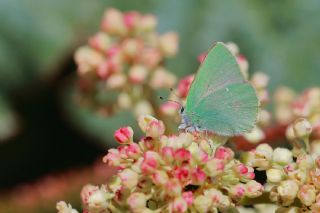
293	177
126	59
259	80
173	173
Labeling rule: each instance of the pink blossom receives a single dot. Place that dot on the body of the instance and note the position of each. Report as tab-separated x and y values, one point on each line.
167	153
188	197
179	205
124	135
155	129
184	86
198	176
113	51
223	153
130	19
112	158
182	155
202	56
150	162
182	173
241	169
133	150
169	108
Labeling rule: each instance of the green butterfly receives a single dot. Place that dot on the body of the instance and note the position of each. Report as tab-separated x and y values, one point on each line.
220	100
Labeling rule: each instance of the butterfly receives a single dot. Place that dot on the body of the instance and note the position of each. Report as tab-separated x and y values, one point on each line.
220	100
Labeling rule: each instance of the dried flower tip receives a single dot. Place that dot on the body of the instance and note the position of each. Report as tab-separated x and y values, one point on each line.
302	128
63	207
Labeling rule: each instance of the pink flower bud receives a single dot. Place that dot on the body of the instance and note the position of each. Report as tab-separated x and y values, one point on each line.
155	129
129	178
260	80
214	167
86	191
202	56
132	47
87	59
188	197
104	70
307	194
160	178
150	57
182	155
124	135
161	78
112	158
143	107
147	23
253	189
63	207
181	173
302	128
113	51
241	169
113	22
179	205
169	108
137	201
184	86
167	154
131	19
150	162
169	44
101	41
224	153
144	121
237	191
133	150
116	81
173	187
202	203
198	176
244	65
288	191
138	74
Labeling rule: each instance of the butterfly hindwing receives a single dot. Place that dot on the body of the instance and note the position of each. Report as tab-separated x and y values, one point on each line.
219	99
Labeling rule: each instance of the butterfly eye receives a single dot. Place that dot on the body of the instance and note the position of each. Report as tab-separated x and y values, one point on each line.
182	110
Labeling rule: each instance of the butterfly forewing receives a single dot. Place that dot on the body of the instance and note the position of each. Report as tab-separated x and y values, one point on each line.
219	99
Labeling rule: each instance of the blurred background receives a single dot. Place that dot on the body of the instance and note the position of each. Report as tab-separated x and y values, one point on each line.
40	133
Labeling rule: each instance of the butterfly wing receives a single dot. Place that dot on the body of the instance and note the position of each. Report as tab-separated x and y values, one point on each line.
219	99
